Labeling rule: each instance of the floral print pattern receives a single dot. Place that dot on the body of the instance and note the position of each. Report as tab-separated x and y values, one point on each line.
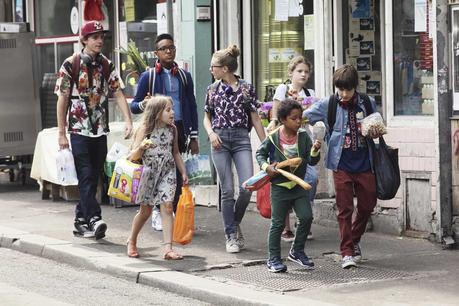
88	109
231	110
162	180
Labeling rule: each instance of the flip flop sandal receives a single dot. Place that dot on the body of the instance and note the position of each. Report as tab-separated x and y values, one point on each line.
171	255
133	253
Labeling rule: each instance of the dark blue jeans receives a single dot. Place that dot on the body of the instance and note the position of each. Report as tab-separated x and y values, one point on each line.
89	154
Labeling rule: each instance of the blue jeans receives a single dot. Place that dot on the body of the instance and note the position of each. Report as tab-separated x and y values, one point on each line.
235	148
89	155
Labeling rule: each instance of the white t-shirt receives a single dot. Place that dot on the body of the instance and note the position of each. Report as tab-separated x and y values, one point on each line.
279	95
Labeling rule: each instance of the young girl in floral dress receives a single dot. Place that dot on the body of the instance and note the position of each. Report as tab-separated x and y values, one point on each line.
155	143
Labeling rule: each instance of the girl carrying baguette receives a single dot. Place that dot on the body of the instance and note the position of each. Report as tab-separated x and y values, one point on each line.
287	142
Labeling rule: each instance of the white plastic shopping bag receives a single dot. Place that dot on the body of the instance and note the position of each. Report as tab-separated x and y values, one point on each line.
116	152
66	172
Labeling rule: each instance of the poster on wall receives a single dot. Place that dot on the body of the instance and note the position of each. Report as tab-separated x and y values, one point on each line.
294	8
361	8
161	13
363	63
129	10
309	38
367	48
420	15
354	49
274	55
373	88
361	43
281	10
287	54
123	35
367	24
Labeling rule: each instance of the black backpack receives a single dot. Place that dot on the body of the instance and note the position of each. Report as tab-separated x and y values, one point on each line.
306	91
333	104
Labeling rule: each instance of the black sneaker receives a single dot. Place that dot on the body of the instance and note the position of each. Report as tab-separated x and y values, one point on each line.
98	226
82	229
357	252
301	259
276	265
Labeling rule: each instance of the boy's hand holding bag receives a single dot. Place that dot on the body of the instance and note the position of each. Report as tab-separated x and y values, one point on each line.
66	172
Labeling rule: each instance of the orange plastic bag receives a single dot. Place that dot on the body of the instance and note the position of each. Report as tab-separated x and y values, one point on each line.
184	218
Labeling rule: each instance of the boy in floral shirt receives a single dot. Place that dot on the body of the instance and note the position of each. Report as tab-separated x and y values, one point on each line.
82	105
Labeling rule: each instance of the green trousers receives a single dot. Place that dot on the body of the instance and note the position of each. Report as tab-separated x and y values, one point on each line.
282	200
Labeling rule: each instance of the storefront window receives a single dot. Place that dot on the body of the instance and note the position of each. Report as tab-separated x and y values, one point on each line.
276	42
19	13
413	62
138	28
53	17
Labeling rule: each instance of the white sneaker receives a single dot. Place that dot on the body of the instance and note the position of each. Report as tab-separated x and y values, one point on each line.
156	220
232	245
348	262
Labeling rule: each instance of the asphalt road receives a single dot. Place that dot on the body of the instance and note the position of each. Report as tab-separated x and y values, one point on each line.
30	280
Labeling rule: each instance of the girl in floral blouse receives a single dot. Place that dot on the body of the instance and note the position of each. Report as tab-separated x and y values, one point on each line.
230	111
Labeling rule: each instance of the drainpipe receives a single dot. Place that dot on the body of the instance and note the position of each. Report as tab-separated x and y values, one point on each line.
443	133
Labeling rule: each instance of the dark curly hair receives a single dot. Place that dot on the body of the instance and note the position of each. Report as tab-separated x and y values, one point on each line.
162	37
286	107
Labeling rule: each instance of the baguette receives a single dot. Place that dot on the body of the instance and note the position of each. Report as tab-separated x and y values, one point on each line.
295	178
292	162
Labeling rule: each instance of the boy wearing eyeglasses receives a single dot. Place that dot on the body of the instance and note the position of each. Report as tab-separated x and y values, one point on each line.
166	78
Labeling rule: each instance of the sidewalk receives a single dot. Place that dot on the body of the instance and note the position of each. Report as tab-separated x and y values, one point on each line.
44	228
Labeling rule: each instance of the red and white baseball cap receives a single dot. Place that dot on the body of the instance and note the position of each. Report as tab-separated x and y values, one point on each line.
92	27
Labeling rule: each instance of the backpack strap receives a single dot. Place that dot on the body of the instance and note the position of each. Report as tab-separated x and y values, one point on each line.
332	105
76	62
151	81
182	76
306	91
331	116
73	79
366	103
105	69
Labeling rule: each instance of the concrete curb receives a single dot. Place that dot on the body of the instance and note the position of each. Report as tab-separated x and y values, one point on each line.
143	272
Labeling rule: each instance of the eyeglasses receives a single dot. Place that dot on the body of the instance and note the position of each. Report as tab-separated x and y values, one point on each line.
170	48
213	66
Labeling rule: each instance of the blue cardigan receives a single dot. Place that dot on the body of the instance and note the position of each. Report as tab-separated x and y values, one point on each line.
187	99
319	112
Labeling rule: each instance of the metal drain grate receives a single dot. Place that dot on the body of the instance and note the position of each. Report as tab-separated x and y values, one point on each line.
325	274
